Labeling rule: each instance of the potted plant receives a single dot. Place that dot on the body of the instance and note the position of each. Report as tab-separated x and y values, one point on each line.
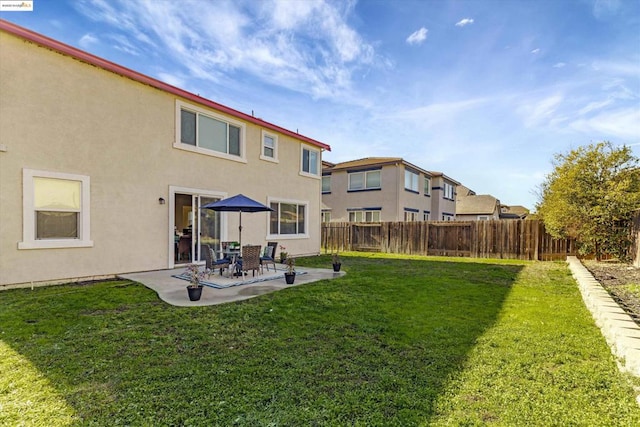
283	254
290	274
195	277
336	262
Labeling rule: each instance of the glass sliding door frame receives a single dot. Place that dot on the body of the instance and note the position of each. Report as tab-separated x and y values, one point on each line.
197	195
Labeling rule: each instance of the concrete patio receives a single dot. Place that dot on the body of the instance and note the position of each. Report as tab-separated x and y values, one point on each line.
173	290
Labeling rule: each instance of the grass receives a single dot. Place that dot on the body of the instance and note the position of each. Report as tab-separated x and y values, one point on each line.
397	341
633	289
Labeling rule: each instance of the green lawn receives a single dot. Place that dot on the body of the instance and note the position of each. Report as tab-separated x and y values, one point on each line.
397	341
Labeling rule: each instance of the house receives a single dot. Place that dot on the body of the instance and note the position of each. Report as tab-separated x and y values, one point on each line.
443	197
375	189
102	169
462	191
477	207
513	212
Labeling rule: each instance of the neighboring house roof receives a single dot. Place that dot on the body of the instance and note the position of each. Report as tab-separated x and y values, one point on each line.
516	211
88	58
327	165
373	162
463	191
484	204
448	178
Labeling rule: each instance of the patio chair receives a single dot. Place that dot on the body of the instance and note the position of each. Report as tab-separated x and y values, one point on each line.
250	259
269	256
213	263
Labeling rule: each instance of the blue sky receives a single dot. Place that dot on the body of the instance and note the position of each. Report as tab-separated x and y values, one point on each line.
484	91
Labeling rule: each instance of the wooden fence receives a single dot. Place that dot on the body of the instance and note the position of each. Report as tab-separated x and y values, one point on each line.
517	239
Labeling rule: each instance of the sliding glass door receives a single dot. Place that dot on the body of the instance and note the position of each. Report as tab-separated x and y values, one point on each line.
194	228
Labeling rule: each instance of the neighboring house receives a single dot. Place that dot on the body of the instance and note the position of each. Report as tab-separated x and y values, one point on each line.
513	212
375	189
101	168
477	207
462	191
443	197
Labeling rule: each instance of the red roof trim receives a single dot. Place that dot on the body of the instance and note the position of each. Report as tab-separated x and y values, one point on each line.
134	75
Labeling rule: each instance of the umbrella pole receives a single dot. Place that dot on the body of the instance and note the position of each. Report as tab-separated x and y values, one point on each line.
240	233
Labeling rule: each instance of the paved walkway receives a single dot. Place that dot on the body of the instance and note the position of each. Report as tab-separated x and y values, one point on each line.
619	329
173	290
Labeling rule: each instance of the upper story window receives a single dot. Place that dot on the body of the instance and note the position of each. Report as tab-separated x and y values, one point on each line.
326	184
55	210
310	161
448	191
366	180
205	132
427	186
269	147
410	180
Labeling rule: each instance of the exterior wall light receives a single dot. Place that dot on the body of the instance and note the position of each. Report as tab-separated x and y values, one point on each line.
161	200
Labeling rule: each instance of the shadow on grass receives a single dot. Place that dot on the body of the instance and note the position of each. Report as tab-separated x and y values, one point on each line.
374	347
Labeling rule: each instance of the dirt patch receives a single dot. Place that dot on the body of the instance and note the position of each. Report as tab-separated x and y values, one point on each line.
619	280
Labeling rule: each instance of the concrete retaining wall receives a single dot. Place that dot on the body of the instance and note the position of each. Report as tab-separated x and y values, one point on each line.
619	329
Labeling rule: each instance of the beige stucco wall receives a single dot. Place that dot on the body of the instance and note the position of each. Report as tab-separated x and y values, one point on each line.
439	204
474	217
58	114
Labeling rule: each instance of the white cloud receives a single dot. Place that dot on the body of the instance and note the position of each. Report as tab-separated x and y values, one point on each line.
87	41
172	79
418	36
559	65
603	9
463	22
123	44
429	115
540	112
593	106
536	50
623	124
304	46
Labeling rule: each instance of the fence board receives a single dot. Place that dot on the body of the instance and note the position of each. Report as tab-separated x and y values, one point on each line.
516	239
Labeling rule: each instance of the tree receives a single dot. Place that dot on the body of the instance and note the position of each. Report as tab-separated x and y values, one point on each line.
592	195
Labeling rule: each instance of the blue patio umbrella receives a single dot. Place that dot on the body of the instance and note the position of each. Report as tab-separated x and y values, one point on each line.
239	203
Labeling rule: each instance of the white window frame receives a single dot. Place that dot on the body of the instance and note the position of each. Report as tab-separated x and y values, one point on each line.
365	215
483	218
29	240
265	134
364	180
447	217
307	223
325	216
448	191
326	179
412	178
426	215
427	186
312	174
242	158
410	216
